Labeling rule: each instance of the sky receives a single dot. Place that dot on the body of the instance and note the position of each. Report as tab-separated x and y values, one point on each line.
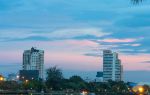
73	34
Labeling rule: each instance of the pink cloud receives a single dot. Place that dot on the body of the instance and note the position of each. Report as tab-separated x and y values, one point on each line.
73	61
10	57
69	54
135	45
135	62
82	43
118	40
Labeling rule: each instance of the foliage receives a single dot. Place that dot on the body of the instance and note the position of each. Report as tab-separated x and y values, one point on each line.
110	86
54	78
55	81
9	85
77	83
36	85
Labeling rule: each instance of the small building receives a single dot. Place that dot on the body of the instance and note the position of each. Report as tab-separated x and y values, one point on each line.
12	77
99	74
28	75
99	77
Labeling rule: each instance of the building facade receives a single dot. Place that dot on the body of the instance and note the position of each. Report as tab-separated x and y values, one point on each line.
29	75
33	59
112	68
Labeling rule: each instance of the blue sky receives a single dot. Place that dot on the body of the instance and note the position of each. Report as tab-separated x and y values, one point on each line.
73	33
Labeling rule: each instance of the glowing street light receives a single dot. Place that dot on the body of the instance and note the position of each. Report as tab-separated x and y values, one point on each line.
23	77
141	89
17	76
1	78
84	93
26	81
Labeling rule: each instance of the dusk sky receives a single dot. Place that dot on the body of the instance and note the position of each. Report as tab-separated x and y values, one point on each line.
73	34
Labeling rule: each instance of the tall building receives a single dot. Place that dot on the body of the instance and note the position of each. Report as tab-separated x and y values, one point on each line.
33	59
112	68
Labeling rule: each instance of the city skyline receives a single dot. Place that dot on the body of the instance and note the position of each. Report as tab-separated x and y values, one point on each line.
74	33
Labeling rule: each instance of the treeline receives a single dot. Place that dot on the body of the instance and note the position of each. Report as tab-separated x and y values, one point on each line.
55	81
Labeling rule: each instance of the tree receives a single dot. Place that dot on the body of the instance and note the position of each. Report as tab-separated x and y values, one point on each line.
54	78
77	83
36	85
9	85
76	79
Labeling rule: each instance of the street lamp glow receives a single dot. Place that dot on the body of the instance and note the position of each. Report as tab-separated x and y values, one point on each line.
141	89
84	93
1	78
27	81
17	76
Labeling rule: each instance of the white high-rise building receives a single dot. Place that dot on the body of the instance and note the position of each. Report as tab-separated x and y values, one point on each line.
34	60
112	68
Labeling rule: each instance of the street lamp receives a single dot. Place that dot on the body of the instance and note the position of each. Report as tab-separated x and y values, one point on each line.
51	88
138	89
141	89
27	81
17	76
1	78
84	92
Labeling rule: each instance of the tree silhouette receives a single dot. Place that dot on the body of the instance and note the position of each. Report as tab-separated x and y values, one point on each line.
54	78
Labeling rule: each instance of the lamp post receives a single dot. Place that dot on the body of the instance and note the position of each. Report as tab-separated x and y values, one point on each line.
26	81
1	78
